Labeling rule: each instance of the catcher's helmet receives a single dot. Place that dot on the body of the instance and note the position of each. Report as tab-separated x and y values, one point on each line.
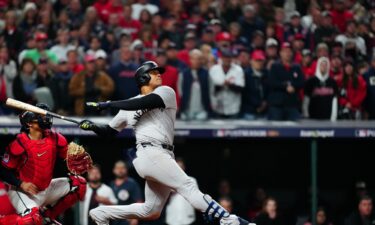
141	75
44	122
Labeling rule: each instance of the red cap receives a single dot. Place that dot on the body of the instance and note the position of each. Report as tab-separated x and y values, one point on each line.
41	36
223	36
89	58
298	36
286	45
258	55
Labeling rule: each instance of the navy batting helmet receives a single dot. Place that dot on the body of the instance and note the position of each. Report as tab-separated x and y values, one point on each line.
141	75
44	122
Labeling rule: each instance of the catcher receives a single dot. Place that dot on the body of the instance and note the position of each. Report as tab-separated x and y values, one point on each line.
28	164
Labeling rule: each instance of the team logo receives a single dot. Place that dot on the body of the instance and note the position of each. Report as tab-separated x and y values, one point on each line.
123	195
6	158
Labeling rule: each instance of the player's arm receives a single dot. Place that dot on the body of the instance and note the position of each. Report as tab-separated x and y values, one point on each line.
150	101
103	130
9	177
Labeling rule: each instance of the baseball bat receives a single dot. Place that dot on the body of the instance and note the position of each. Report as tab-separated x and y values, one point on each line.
27	107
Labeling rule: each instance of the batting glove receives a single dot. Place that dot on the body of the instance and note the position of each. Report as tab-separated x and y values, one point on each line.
98	105
86	125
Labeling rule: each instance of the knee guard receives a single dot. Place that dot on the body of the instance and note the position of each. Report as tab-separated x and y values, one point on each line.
214	210
77	193
30	217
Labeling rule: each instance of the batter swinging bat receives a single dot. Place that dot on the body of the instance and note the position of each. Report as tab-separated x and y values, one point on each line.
27	107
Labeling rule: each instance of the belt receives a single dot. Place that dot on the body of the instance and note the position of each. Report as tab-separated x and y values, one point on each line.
165	146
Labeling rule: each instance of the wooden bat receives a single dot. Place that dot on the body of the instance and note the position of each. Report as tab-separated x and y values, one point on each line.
27	107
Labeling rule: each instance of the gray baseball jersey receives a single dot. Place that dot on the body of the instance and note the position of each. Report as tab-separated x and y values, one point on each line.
156	125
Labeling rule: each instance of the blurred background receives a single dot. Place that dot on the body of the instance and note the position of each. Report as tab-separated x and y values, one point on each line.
276	97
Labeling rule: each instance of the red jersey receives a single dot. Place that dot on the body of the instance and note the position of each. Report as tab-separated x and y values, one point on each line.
339	19
354	96
34	160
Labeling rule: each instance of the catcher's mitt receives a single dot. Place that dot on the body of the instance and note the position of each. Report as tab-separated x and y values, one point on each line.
78	160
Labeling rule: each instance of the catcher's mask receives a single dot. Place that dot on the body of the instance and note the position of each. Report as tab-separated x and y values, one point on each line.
44	122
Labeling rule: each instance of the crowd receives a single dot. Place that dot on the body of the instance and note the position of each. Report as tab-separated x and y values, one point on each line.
251	59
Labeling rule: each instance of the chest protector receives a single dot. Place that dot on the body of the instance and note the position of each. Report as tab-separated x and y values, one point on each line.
38	159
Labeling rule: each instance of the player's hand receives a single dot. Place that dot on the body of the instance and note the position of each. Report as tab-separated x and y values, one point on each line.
86	125
29	188
98	105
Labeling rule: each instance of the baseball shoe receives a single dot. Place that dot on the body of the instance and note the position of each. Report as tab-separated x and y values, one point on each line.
234	220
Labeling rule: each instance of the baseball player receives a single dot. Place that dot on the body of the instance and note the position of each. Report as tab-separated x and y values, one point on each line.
27	165
152	114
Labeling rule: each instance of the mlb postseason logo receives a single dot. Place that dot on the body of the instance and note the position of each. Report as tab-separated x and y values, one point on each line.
365	133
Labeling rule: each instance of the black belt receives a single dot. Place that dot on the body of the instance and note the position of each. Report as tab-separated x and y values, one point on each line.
165	146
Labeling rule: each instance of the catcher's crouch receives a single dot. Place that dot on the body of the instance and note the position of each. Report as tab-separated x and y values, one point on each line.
28	164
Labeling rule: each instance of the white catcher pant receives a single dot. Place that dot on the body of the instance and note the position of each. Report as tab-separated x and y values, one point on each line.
58	188
162	175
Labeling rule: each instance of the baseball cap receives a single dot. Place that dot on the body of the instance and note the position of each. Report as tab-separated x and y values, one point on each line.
295	14
190	26
306	52
223	36
40	36
271	42
215	22
286	45
258	55
100	54
28	6
326	14
172	45
189	36
89	58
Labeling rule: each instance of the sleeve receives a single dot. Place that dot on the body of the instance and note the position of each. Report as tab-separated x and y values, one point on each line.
361	93
62	145
298	82
120	121
216	76
168	96
274	81
111	196
107	85
10	160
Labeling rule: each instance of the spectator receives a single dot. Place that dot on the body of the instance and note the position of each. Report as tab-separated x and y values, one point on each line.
208	59
12	34
44	71
271	52
285	81
326	31
250	22
243	58
30	44
109	42
321	91
254	96
75	12
350	35
29	16
126	190
257	200
101	7
61	49
226	84
96	26
63	21
8	71
138	56
336	67
172	59
298	45
26	82
269	215
148	41
97	194
257	41
321	218
238	41
306	64
194	89
130	26
189	44
73	61
363	214
90	85
95	46
122	74
145	17
40	50
141	5
178	210
170	76
101	61
231	11
294	27
60	86
279	25
340	15
352	92
369	103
